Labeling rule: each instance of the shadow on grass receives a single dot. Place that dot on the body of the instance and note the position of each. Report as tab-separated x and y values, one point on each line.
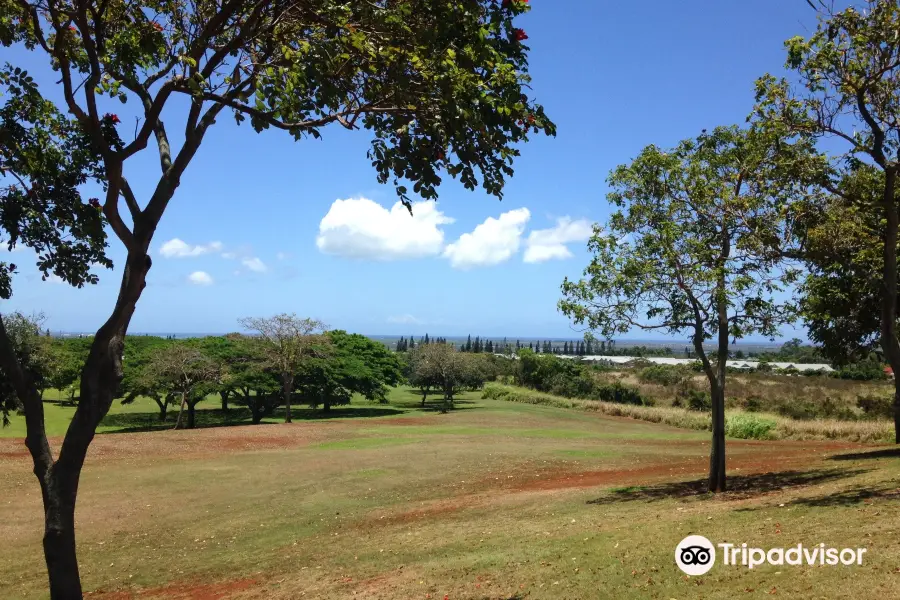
874	454
208	418
739	486
850	497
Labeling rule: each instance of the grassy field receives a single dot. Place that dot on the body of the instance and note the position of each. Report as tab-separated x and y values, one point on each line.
494	500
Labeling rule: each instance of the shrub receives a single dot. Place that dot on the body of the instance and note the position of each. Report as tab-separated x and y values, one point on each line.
620	394
801	411
750	427
876	407
698	401
753	404
564	384
663	375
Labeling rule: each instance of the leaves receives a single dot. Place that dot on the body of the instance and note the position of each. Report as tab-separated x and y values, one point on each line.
44	159
694	236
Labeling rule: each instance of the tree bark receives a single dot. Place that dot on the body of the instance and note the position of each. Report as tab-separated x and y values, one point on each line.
287	389
181	410
889	343
163	408
59	490
224	396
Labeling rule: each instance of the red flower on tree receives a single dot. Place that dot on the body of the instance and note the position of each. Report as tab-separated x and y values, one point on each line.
156	26
111	117
520	35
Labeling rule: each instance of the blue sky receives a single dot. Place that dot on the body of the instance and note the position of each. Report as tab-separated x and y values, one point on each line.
240	236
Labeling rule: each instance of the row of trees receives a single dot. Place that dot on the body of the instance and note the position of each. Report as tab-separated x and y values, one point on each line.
404	345
712	235
287	360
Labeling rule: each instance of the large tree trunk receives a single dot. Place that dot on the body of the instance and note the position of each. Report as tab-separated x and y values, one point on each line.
163	405
181	410
717	451
889	342
287	390
224	396
59	535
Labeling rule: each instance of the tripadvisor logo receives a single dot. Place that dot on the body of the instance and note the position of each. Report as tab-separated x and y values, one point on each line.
696	555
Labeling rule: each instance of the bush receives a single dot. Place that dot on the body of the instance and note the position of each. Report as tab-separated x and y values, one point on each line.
698	401
620	394
750	427
876	407
753	404
661	375
563	384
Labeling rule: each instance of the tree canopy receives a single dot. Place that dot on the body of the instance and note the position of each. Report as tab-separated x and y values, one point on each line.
690	251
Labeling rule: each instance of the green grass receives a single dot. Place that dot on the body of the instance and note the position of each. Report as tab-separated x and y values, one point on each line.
494	500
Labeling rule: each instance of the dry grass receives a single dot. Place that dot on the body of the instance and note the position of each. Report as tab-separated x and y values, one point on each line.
769	388
496	500
787	429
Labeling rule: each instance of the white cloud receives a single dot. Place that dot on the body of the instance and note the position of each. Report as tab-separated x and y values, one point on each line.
200	278
283	256
491	242
361	228
550	244
255	264
405	320
176	248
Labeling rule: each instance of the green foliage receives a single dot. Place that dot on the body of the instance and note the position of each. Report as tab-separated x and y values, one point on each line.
750	427
866	370
876	407
44	159
662	375
688	237
571	379
698	401
31	349
845	86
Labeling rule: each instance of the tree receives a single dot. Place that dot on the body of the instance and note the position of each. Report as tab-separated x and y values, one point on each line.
683	254
254	383
24	335
183	369
361	365
142	378
64	366
444	368
841	293
848	76
418	376
288	342
440	87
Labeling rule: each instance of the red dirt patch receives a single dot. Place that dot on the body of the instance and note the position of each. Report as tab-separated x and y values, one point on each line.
182	591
